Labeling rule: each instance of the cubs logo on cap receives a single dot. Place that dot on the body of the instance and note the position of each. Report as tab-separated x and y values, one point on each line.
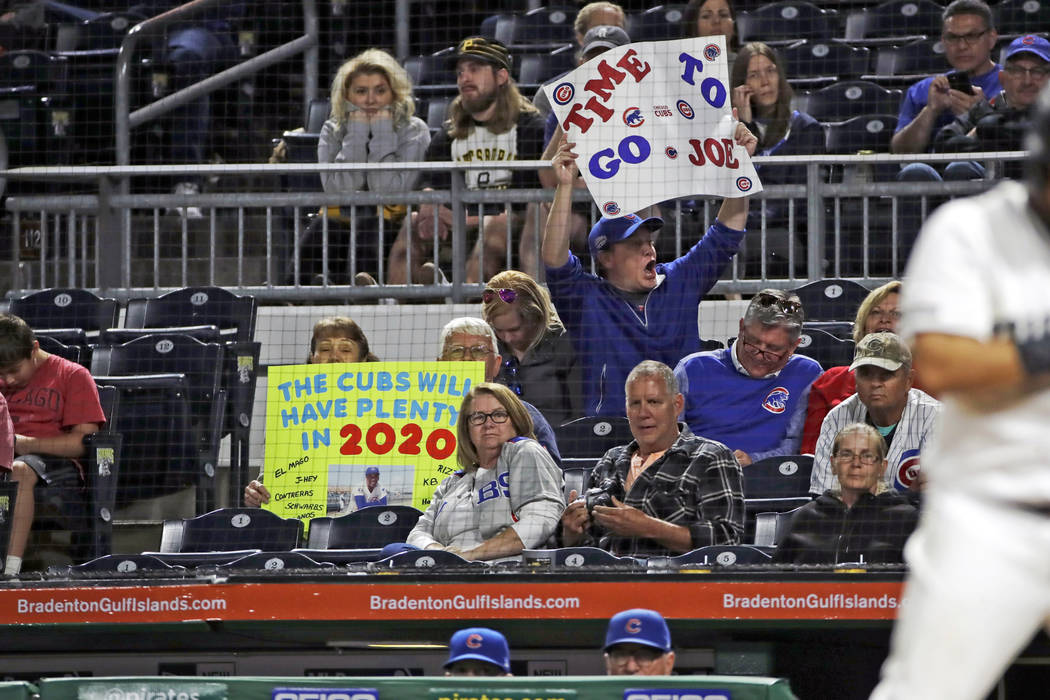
638	626
608	230
479	644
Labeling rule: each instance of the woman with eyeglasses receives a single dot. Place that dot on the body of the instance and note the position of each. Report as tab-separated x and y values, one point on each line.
860	520
539	363
507	495
880	311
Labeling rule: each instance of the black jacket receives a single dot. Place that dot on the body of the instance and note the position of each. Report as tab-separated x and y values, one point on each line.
825	531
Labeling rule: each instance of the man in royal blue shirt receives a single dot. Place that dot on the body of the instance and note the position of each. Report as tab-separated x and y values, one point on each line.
638	310
752	396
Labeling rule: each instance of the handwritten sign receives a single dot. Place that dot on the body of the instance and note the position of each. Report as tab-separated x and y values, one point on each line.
345	436
653	121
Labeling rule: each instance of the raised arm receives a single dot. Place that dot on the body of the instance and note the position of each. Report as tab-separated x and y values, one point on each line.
556	234
733	212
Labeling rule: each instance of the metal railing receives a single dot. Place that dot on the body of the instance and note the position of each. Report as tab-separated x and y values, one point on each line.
128	245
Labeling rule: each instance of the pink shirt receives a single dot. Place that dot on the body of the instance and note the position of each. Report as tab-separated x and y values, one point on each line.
7	436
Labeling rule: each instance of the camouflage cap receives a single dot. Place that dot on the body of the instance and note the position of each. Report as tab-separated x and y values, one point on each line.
885	350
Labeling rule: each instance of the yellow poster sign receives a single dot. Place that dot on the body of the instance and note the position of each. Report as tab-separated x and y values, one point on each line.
340	437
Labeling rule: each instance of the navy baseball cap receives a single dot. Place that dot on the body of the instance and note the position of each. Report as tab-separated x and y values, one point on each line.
638	626
609	231
372	470
1029	43
479	644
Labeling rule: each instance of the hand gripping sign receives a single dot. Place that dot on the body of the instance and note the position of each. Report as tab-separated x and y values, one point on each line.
652	121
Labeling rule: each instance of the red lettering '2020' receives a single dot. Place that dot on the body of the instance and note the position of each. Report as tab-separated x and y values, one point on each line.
380	439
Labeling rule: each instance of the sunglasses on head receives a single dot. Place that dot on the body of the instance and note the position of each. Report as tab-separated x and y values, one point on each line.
507	295
786	305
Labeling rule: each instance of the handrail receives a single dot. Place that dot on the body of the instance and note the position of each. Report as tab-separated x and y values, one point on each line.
126	120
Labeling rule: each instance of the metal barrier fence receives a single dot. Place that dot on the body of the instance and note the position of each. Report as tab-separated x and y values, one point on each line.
855	226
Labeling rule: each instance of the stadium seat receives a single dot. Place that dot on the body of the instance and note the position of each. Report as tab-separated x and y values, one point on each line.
33	90
1021	16
775	484
770	527
786	21
825	348
428	559
129	565
67	308
229	530
54	347
848	99
576	479
499	27
657	23
904	64
546	27
367	528
831	299
839	329
536	69
824	60
275	561
592	436
578	557
436	111
715	555
895	20
185	405
342	557
235	318
8	494
102	463
866	133
433	73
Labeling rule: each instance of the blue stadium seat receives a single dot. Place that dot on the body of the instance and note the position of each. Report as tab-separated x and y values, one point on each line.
432	73
1021	16
578	557
500	27
824	60
54	347
592	436
429	559
67	308
904	64
657	23
770	527
786	21
231	529
865	133
839	329
831	299
537	69
848	99
276	561
547	26
894	21
367	528
119	565
717	555
825	348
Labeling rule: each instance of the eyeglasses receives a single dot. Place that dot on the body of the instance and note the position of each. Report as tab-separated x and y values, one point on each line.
968	39
498	417
866	458
507	295
458	352
642	655
788	306
767	355
1038	72
510	367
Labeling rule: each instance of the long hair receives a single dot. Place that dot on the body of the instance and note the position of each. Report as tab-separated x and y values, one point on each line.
341	327
373	61
692	14
533	303
779	120
466	453
509	105
874	298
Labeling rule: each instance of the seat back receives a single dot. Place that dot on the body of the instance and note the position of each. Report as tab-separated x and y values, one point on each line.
778	477
536	69
316	114
428	559
67	308
848	99
789	20
194	306
831	299
54	347
231	529
916	58
371	527
657	23
592	436
895	18
545	26
275	561
865	133
814	59
1021	16
839	329
576	479
825	348
770	527
721	555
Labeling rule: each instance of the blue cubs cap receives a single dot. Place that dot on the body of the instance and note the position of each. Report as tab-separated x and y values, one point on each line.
1029	43
372	470
479	644
609	231
638	626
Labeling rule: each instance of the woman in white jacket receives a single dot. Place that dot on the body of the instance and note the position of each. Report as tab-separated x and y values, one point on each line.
371	122
508	496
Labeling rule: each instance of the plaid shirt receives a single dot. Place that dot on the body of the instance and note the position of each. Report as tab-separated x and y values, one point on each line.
697	483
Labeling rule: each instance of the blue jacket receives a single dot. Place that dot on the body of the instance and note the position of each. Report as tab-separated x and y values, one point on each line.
762	417
612	335
919	94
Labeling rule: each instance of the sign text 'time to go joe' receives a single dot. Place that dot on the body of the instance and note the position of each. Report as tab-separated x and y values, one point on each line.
653	121
340	437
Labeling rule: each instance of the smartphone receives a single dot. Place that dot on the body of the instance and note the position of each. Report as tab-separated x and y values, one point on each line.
957	80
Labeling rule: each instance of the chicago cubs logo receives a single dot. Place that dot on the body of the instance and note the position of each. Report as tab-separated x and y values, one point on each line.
776	400
711	52
908	468
633	218
611	208
743	184
684	108
633	625
474	641
632	116
564	93
671	152
662	111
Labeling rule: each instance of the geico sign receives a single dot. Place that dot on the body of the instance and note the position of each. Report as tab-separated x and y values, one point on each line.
678	695
326	694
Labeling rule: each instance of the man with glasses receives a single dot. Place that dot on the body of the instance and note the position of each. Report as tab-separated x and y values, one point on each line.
668	491
931	103
885	399
752	396
638	643
468	338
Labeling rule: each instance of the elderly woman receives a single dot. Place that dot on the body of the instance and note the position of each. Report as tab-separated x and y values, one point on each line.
334	339
508	494
539	363
862	519
371	122
880	311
